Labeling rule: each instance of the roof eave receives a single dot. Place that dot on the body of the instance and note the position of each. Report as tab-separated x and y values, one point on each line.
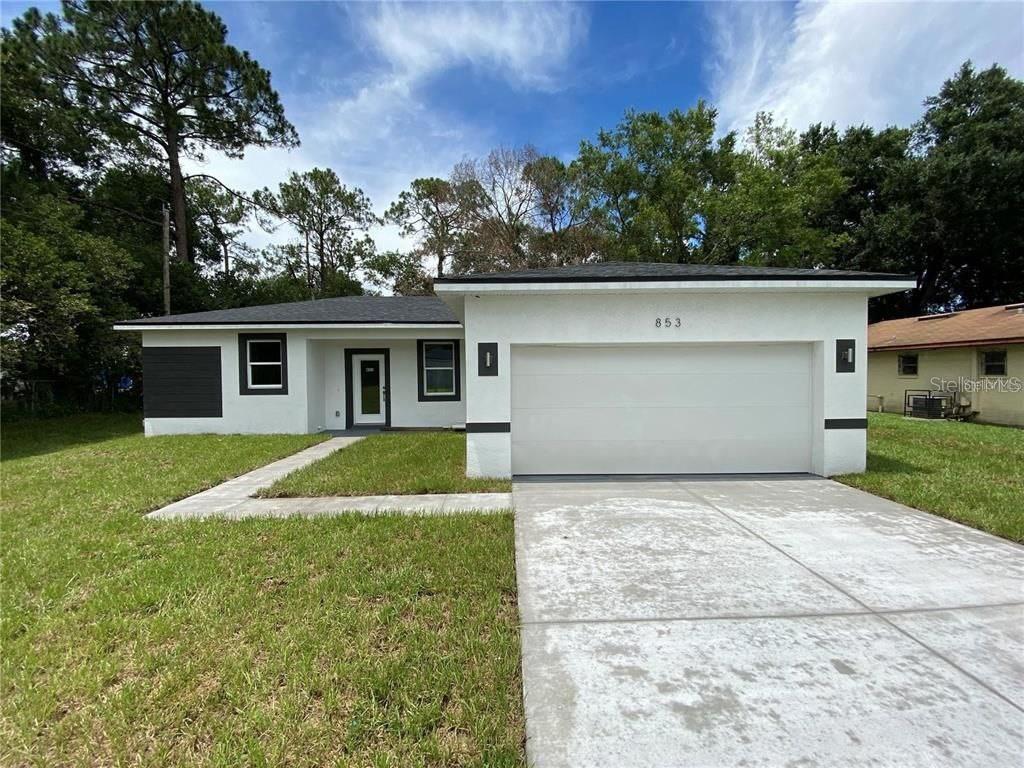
295	324
873	287
947	344
500	279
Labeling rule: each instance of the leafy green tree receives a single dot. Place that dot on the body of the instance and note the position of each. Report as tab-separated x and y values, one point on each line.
219	216
972	135
769	214
649	181
62	289
160	80
401	273
564	227
39	125
877	219
436	213
332	221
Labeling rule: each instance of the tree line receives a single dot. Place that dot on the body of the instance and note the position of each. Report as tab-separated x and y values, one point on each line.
103	102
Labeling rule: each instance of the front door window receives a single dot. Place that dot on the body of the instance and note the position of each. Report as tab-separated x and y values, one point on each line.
369	389
369	378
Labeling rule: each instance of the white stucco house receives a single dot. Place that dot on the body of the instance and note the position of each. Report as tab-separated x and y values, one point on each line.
610	368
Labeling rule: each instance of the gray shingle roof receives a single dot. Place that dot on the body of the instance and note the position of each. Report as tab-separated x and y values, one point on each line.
338	311
609	271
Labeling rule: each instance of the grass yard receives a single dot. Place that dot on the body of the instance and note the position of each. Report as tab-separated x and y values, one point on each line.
390	463
971	473
357	641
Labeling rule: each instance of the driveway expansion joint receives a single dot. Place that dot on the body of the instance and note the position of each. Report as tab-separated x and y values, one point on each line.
772	616
880	614
659	628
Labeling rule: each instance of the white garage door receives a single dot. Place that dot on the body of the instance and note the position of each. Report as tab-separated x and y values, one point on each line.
661	409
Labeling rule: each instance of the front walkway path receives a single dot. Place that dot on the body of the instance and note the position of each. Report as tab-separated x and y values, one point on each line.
427	503
233	500
223	497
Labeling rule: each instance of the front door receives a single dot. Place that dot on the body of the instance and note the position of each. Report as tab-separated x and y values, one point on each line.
369	394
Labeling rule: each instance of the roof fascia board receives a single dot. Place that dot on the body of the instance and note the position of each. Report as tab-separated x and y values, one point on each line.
873	287
948	344
278	326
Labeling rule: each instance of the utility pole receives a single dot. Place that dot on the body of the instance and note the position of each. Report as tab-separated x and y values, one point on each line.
167	259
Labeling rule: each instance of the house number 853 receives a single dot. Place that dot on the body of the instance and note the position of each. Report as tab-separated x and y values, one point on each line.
668	322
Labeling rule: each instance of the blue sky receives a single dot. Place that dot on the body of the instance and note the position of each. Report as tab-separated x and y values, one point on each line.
383	93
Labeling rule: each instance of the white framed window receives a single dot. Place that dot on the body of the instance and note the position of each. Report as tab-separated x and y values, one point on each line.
438	370
906	365
263	364
265	368
993	362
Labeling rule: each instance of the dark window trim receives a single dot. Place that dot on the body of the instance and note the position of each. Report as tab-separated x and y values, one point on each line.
243	363
349	405
1006	363
420	378
899	364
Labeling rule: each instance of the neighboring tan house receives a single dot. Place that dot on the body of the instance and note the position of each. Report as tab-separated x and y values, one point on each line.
978	355
593	369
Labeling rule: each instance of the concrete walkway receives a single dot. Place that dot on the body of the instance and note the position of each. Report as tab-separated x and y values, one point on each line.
427	504
233	499
238	490
763	621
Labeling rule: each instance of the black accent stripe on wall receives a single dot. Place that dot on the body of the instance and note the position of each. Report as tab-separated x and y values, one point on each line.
181	382
846	423
489	426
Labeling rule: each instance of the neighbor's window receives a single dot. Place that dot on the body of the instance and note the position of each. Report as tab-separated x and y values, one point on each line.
438	368
907	365
263	364
993	363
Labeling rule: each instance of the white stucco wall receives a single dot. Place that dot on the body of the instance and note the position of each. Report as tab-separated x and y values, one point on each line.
601	317
316	382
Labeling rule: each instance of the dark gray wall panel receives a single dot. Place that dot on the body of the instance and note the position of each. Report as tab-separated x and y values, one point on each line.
846	350
181	382
487	358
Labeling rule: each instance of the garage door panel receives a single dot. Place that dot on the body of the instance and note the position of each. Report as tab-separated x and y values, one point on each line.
577	390
661	409
659	358
662	457
657	423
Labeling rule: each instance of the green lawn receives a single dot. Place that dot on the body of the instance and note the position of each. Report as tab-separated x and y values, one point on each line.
390	463
363	641
971	473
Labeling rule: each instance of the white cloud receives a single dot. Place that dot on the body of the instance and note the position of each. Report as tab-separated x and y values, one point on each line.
851	62
528	43
376	129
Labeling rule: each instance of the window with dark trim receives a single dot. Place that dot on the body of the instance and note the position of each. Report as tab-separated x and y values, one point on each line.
993	362
438	370
263	364
906	365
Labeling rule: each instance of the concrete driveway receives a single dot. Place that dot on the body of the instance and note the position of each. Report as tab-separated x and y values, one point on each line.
763	621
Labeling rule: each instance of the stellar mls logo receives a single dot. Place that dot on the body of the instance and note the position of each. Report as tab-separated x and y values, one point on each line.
1009	384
